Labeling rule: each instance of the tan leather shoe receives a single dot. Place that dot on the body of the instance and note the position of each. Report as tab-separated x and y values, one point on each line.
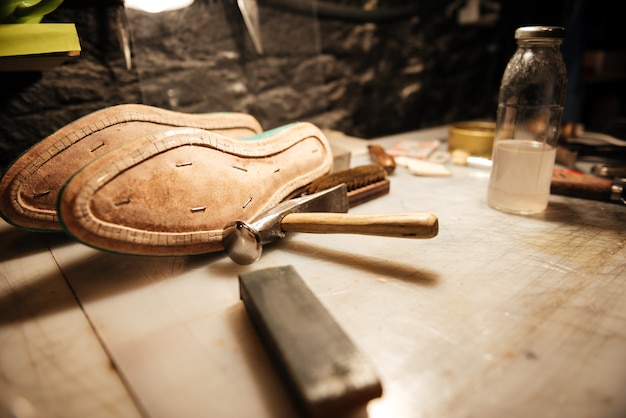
30	186
172	192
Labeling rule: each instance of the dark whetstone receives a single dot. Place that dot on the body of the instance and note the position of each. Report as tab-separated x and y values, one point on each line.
325	371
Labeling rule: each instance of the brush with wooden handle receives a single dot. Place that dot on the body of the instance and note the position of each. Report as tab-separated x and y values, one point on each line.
363	183
325	213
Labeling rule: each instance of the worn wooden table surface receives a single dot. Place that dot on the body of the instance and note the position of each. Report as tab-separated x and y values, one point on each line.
499	315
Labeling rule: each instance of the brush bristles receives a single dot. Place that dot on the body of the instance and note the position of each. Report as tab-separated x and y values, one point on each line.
354	178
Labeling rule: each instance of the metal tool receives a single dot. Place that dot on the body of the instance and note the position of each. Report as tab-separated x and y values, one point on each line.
325	213
618	190
123	35
250	13
578	146
609	171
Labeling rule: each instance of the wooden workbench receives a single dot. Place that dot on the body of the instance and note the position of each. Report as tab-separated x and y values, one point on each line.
498	316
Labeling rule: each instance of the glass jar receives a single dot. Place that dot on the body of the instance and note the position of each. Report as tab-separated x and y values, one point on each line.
530	109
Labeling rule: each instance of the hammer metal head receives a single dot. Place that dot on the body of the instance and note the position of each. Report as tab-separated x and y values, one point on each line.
244	241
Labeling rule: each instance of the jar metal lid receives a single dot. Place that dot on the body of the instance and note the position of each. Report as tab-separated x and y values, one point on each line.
526	32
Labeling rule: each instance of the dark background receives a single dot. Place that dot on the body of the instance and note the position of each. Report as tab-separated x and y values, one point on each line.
367	75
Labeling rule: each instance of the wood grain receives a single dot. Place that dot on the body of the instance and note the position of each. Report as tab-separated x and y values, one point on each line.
499	316
51	362
399	225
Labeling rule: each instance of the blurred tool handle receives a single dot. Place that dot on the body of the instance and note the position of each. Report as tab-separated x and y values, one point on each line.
586	187
399	225
250	13
380	157
123	35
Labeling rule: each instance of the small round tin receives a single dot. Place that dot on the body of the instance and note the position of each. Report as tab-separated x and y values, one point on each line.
475	138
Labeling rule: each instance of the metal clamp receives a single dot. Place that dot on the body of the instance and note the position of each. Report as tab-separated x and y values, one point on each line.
617	190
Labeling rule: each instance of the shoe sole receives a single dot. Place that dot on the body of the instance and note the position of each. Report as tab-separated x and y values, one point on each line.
173	192
30	186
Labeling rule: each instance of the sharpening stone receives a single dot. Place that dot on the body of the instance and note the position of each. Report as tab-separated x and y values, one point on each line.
325	371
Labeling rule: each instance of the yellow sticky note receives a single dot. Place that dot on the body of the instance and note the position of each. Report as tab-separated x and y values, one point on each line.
41	38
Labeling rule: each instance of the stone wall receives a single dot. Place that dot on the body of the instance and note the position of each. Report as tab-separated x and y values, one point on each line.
34	105
364	78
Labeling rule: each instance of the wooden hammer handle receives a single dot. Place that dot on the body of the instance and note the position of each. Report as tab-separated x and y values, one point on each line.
582	186
400	225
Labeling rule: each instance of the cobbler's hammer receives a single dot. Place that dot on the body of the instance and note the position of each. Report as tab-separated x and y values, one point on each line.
322	213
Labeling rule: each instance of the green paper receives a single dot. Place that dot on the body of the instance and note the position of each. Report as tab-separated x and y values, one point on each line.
41	38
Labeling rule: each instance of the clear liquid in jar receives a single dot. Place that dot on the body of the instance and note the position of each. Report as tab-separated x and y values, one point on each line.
520	176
